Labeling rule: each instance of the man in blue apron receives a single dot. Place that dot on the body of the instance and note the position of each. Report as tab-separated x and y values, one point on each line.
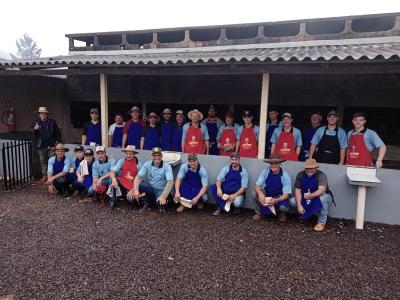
191	183
151	133
91	133
115	132
271	126
57	169
272	188
315	120
213	123
167	128
75	161
230	187
84	173
312	193
133	129
101	169
177	132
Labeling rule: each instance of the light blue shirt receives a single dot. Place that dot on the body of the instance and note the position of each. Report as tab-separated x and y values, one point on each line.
320	133
371	139
296	134
285	179
117	168
52	160
101	169
244	175
203	173
224	126
256	131
204	131
157	176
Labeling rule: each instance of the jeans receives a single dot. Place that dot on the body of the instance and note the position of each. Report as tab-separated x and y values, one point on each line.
152	194
43	158
237	203
326	200
257	205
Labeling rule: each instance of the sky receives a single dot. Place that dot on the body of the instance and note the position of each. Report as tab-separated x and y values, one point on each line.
47	21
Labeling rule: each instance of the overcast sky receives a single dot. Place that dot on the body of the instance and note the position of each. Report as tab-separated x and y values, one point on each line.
47	21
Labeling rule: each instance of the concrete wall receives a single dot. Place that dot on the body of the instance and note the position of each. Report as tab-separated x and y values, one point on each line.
383	202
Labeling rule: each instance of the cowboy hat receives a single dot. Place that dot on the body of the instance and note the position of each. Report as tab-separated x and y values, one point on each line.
60	146
190	113
310	164
274	158
43	110
130	148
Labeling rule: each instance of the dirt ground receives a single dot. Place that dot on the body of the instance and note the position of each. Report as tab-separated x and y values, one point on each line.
56	248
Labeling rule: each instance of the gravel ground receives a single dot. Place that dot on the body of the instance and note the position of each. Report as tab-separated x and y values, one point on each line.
55	248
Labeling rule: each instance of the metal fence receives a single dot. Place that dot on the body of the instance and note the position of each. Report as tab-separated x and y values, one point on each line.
16	164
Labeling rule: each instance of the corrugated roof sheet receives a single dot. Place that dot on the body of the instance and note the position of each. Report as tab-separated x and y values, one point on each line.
388	50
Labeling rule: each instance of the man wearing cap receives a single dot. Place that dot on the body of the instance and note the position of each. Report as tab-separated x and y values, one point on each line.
151	133
286	140
231	186
57	179
195	138
191	183
115	132
167	128
362	141
315	120
84	173
101	169
75	161
133	129
160	181
247	137
213	123
178	130
47	135
329	143
312	193
273	188
271	126
123	175
91	133
226	137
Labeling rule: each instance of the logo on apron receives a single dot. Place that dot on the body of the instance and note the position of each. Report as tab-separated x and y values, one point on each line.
285	149
247	145
353	153
193	142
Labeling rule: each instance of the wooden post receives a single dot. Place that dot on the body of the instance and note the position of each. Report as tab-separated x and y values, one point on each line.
362	195
263	115
104	108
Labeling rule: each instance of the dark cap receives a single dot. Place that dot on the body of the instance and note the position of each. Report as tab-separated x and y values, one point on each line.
89	152
94	110
192	156
156	150
332	113
316	112
287	115
78	148
247	113
235	154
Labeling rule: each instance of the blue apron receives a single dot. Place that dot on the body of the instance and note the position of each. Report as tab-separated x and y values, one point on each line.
314	205
231	184
166	136
58	167
88	179
177	138
117	137
268	144
73	176
274	189
305	151
191	184
94	134
152	138
213	132
135	134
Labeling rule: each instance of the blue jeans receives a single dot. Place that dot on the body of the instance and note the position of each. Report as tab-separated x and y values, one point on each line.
326	200
257	205
238	202
152	194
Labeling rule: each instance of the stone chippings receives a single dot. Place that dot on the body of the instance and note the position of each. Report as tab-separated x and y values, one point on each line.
54	248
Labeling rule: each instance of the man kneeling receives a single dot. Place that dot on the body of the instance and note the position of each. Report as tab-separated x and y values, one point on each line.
191	184
273	188
230	187
57	169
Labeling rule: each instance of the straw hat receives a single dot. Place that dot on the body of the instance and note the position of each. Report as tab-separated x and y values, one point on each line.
310	164
274	158
60	146
43	110
190	113
130	148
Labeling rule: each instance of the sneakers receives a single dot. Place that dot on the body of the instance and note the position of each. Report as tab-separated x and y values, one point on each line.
282	217
319	227
180	209
145	208
217	212
257	217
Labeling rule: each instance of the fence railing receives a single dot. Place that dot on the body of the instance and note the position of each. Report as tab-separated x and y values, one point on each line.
16	160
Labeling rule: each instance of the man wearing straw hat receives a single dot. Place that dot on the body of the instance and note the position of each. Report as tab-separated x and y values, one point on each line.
133	129
57	170
195	137
273	188
191	184
47	135
312	193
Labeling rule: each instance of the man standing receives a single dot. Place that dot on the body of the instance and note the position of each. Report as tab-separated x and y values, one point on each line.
195	138
329	142
226	137
271	126
315	120
160	181
230	187
312	193
57	179
247	137
273	188
151	133
167	128
286	140
115	132
177	132
47	135
362	141
133	129
91	133
213	123
191	183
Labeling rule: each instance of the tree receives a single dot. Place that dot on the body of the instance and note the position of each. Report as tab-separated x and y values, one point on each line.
27	48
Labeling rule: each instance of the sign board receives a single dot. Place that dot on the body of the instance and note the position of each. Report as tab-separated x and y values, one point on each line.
362	176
